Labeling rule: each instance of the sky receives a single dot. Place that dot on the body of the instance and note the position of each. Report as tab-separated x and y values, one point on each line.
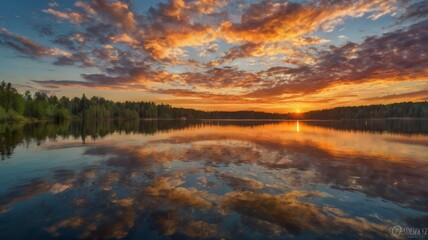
274	56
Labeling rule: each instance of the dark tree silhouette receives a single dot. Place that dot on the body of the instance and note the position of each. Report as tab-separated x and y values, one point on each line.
15	106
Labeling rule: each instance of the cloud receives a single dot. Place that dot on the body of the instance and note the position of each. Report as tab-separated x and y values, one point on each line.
45	30
110	83
86	7
28	47
383	58
230	51
117	12
74	17
250	49
160	42
66	41
53	4
208	6
124	38
277	22
245	50
302	41
399	97
417	10
64	83
74	59
129	78
213	48
171	27
220	78
394	56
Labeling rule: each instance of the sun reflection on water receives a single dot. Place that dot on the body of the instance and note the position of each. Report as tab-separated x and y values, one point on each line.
200	182
297	126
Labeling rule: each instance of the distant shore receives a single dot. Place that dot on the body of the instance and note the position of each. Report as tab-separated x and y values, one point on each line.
27	107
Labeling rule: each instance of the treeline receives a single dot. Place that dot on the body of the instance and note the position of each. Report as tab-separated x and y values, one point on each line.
395	110
15	106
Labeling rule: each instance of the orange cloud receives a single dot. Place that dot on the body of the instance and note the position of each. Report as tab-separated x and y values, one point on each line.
273	55
124	38
278	22
85	7
172	27
161	42
208	6
250	49
72	16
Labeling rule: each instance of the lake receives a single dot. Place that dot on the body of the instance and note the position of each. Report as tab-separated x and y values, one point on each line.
214	180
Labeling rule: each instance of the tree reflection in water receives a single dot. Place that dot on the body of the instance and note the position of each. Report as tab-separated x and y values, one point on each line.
211	179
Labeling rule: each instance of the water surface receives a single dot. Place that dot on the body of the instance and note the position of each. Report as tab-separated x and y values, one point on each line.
213	179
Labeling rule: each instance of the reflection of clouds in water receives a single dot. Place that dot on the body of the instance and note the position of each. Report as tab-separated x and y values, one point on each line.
74	222
294	216
116	225
168	188
27	191
241	183
315	163
222	174
171	222
100	215
199	229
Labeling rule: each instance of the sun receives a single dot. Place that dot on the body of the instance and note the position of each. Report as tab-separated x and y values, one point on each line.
298	111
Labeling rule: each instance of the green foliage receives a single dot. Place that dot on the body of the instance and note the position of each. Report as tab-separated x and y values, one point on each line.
42	106
61	114
10	99
18	104
97	112
11	115
14	107
3	116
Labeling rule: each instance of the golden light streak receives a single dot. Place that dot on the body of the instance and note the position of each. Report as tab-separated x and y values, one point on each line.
297	126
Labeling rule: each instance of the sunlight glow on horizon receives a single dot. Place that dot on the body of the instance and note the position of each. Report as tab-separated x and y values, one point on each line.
272	56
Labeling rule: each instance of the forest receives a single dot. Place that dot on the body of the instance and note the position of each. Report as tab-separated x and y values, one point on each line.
15	106
394	110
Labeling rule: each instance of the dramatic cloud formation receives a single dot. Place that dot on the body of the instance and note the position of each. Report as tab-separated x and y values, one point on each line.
285	55
276	22
394	56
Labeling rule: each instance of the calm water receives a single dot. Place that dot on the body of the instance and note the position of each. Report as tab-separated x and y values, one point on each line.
213	180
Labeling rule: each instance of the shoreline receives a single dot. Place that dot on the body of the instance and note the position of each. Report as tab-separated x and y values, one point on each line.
33	121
